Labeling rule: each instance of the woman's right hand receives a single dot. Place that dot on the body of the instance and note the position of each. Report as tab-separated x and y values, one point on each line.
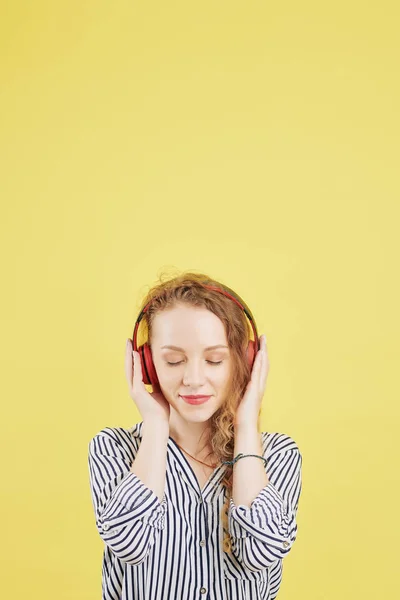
152	406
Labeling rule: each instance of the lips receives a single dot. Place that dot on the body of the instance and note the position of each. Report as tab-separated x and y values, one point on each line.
195	399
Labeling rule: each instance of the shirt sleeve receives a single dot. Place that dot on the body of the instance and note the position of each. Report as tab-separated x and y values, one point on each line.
266	531
128	513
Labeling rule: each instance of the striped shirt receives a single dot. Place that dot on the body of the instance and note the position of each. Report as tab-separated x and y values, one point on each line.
172	550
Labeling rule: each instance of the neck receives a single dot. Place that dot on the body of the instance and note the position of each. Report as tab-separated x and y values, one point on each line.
191	437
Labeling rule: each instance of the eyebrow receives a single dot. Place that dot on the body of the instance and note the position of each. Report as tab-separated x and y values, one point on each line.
208	348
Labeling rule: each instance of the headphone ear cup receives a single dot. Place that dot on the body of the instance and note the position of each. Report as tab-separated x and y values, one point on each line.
142	364
251	353
148	368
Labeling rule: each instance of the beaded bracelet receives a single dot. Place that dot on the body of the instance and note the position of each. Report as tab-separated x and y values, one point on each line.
239	456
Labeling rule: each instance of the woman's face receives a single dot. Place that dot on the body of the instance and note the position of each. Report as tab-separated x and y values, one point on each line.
196	370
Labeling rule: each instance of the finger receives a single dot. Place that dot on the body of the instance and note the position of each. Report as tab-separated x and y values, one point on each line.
260	367
260	350
255	373
263	377
264	369
137	370
260	360
128	362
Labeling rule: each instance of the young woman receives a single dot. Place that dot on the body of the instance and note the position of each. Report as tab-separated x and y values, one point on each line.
194	501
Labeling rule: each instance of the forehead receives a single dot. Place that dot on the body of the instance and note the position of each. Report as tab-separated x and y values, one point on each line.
186	326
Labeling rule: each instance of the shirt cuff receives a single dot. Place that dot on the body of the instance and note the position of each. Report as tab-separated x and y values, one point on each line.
138	500
268	511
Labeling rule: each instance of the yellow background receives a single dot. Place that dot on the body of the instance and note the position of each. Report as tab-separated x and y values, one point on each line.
257	142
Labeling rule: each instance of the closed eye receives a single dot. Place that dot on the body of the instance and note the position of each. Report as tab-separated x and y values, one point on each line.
209	361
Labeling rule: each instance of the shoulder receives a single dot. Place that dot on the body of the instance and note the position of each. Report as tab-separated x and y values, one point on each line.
119	439
274	443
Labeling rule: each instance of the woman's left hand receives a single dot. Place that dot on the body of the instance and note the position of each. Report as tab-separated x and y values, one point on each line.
249	407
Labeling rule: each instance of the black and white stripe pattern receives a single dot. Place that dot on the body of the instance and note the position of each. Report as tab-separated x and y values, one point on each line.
172	550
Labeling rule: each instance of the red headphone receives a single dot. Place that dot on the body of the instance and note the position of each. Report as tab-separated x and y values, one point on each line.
146	360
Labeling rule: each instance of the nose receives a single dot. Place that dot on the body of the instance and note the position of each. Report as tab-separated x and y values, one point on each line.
193	375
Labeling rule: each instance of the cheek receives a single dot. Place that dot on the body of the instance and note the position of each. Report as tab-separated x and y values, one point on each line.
167	374
171	377
221	377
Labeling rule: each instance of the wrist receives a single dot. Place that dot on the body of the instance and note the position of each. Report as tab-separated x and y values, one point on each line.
246	427
161	427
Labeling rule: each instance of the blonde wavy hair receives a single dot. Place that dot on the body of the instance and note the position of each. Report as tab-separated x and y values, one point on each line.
189	287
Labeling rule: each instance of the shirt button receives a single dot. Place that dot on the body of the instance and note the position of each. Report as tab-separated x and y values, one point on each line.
285	544
203	590
203	543
106	526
